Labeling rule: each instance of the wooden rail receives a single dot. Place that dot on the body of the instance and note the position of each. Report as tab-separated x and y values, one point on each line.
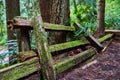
20	23
20	70
72	61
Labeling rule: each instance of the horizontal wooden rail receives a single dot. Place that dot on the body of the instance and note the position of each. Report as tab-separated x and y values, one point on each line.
20	70
112	31
49	26
67	45
72	61
20	23
63	46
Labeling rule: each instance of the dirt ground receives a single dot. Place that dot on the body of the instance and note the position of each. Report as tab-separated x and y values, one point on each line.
104	66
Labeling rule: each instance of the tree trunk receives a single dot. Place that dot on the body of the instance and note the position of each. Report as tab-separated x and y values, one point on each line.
59	11
55	11
24	43
101	16
12	10
45	10
59	14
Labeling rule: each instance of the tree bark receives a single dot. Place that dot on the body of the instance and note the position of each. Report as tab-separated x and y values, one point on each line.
59	11
12	10
24	43
55	11
45	10
101	16
59	14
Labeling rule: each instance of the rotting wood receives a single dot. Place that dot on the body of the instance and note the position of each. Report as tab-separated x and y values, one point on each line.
112	31
20	70
43	51
76	43
67	45
107	36
49	26
94	42
24	38
20	23
23	56
117	32
72	61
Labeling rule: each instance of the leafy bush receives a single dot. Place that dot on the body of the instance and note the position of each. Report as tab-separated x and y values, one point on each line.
112	15
29	8
2	23
86	15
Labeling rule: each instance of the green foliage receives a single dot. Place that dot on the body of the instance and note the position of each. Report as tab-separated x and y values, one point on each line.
3	40
29	8
3	34
3	66
112	17
86	15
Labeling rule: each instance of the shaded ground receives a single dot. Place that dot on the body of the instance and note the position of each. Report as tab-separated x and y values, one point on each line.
105	66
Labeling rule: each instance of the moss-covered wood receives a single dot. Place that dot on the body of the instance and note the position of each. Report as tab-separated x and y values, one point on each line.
63	46
20	70
21	23
67	45
107	36
94	42
72	61
50	26
43	51
23	56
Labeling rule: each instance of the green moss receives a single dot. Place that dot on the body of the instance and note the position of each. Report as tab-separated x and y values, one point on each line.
72	61
19	70
63	46
105	37
58	27
43	51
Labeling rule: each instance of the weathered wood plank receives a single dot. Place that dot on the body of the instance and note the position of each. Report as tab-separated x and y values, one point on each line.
67	45
43	51
49	26
20	23
20	70
112	31
117	32
107	36
63	46
72	61
94	42
23	56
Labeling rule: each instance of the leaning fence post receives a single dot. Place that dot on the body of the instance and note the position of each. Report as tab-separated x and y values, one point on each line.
43	51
